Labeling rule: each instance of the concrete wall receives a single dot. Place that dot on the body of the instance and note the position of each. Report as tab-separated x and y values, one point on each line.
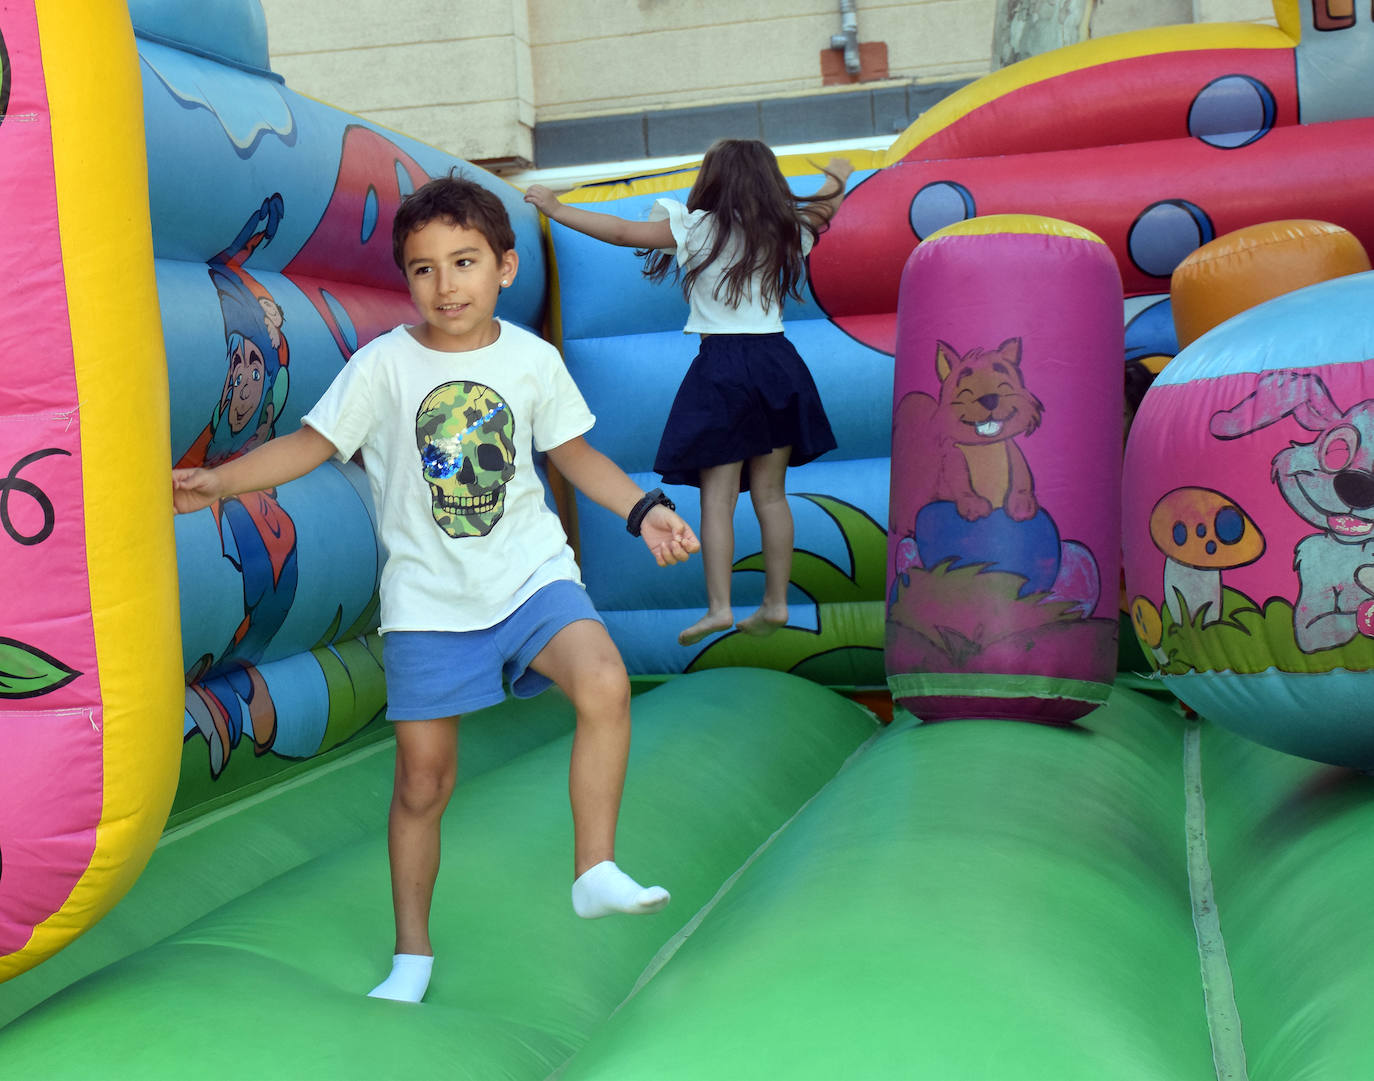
655	53
475	77
1232	11
458	76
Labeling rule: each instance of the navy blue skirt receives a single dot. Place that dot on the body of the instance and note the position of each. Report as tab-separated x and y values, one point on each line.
744	396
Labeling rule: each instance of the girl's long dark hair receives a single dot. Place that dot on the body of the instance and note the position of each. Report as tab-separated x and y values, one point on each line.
741	185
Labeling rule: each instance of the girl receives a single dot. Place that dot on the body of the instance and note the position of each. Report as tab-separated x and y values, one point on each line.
739	245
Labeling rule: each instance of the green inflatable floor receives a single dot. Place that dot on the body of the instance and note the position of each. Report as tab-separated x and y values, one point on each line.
1142	897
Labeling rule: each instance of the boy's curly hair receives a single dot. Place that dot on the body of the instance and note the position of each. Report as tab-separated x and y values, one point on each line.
459	201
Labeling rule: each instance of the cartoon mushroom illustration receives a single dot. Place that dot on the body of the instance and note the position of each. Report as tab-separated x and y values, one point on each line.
1201	533
1149	628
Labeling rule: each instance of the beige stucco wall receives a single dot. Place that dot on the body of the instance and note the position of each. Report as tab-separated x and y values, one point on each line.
646	53
1115	16
458	76
474	77
1239	11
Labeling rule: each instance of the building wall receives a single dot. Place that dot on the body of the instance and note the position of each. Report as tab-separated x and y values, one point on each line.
1231	11
1115	16
477	77
666	53
464	85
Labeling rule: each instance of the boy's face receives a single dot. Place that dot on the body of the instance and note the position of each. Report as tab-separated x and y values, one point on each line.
455	280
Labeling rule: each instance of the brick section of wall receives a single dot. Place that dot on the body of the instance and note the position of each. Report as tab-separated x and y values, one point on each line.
872	65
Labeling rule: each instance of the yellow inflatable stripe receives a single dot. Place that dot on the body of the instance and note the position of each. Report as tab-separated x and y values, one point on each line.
95	99
1002	224
681	177
810	164
1289	18
607	191
1085	54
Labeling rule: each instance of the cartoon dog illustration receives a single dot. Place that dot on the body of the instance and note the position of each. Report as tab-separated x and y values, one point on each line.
969	434
1329	482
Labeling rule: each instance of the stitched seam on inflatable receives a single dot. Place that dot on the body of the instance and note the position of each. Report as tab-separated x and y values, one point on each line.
1218	990
238	806
669	948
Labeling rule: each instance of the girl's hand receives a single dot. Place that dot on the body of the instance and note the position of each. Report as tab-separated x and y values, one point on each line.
840	167
542	199
667	536
194	489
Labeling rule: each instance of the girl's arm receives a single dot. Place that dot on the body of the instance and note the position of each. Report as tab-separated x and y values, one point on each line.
667	536
830	194
275	462
648	235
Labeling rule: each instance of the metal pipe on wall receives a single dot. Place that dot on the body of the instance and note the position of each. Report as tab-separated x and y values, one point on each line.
848	38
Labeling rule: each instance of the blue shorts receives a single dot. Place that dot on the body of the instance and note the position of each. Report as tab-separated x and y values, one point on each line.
431	674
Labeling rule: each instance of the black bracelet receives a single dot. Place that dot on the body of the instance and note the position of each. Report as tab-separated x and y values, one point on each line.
634	521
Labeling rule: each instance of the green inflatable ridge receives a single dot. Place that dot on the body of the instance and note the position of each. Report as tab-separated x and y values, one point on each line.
964	901
270	983
969	901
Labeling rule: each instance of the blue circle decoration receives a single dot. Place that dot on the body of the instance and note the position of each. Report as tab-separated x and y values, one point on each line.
1231	112
1164	233
940	203
1229	525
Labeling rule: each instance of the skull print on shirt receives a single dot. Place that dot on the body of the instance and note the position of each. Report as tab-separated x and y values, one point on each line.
467	455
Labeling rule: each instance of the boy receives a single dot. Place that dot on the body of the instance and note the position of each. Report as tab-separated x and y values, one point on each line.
446	414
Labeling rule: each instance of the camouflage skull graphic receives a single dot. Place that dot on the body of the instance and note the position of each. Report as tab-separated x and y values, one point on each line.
463	431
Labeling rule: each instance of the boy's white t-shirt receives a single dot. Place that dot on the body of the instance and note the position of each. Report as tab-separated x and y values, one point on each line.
447	442
694	230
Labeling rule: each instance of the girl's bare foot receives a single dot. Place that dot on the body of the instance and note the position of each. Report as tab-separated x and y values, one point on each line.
765	621
710	623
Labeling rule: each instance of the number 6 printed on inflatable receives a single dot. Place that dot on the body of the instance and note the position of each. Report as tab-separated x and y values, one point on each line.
90	684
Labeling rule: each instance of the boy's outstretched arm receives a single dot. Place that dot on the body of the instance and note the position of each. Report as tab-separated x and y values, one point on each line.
648	235
275	462
666	535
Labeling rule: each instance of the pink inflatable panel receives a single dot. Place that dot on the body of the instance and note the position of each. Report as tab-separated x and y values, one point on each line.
1004	533
47	645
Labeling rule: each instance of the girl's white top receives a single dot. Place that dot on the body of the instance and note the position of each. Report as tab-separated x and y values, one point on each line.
693	231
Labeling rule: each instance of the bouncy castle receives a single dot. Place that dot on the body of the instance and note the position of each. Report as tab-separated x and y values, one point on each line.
1059	768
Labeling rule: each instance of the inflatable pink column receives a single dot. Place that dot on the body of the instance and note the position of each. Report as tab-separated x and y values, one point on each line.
1005	531
90	652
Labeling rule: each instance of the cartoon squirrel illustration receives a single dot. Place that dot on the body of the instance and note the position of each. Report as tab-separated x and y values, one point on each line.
968	437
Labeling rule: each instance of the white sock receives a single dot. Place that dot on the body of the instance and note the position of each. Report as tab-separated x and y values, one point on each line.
408	980
606	889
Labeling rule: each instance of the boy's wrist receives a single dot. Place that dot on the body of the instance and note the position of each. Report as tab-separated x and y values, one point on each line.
634	521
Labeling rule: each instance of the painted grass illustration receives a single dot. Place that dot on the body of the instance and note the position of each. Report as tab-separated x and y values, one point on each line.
1250	638
971	619
846	648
